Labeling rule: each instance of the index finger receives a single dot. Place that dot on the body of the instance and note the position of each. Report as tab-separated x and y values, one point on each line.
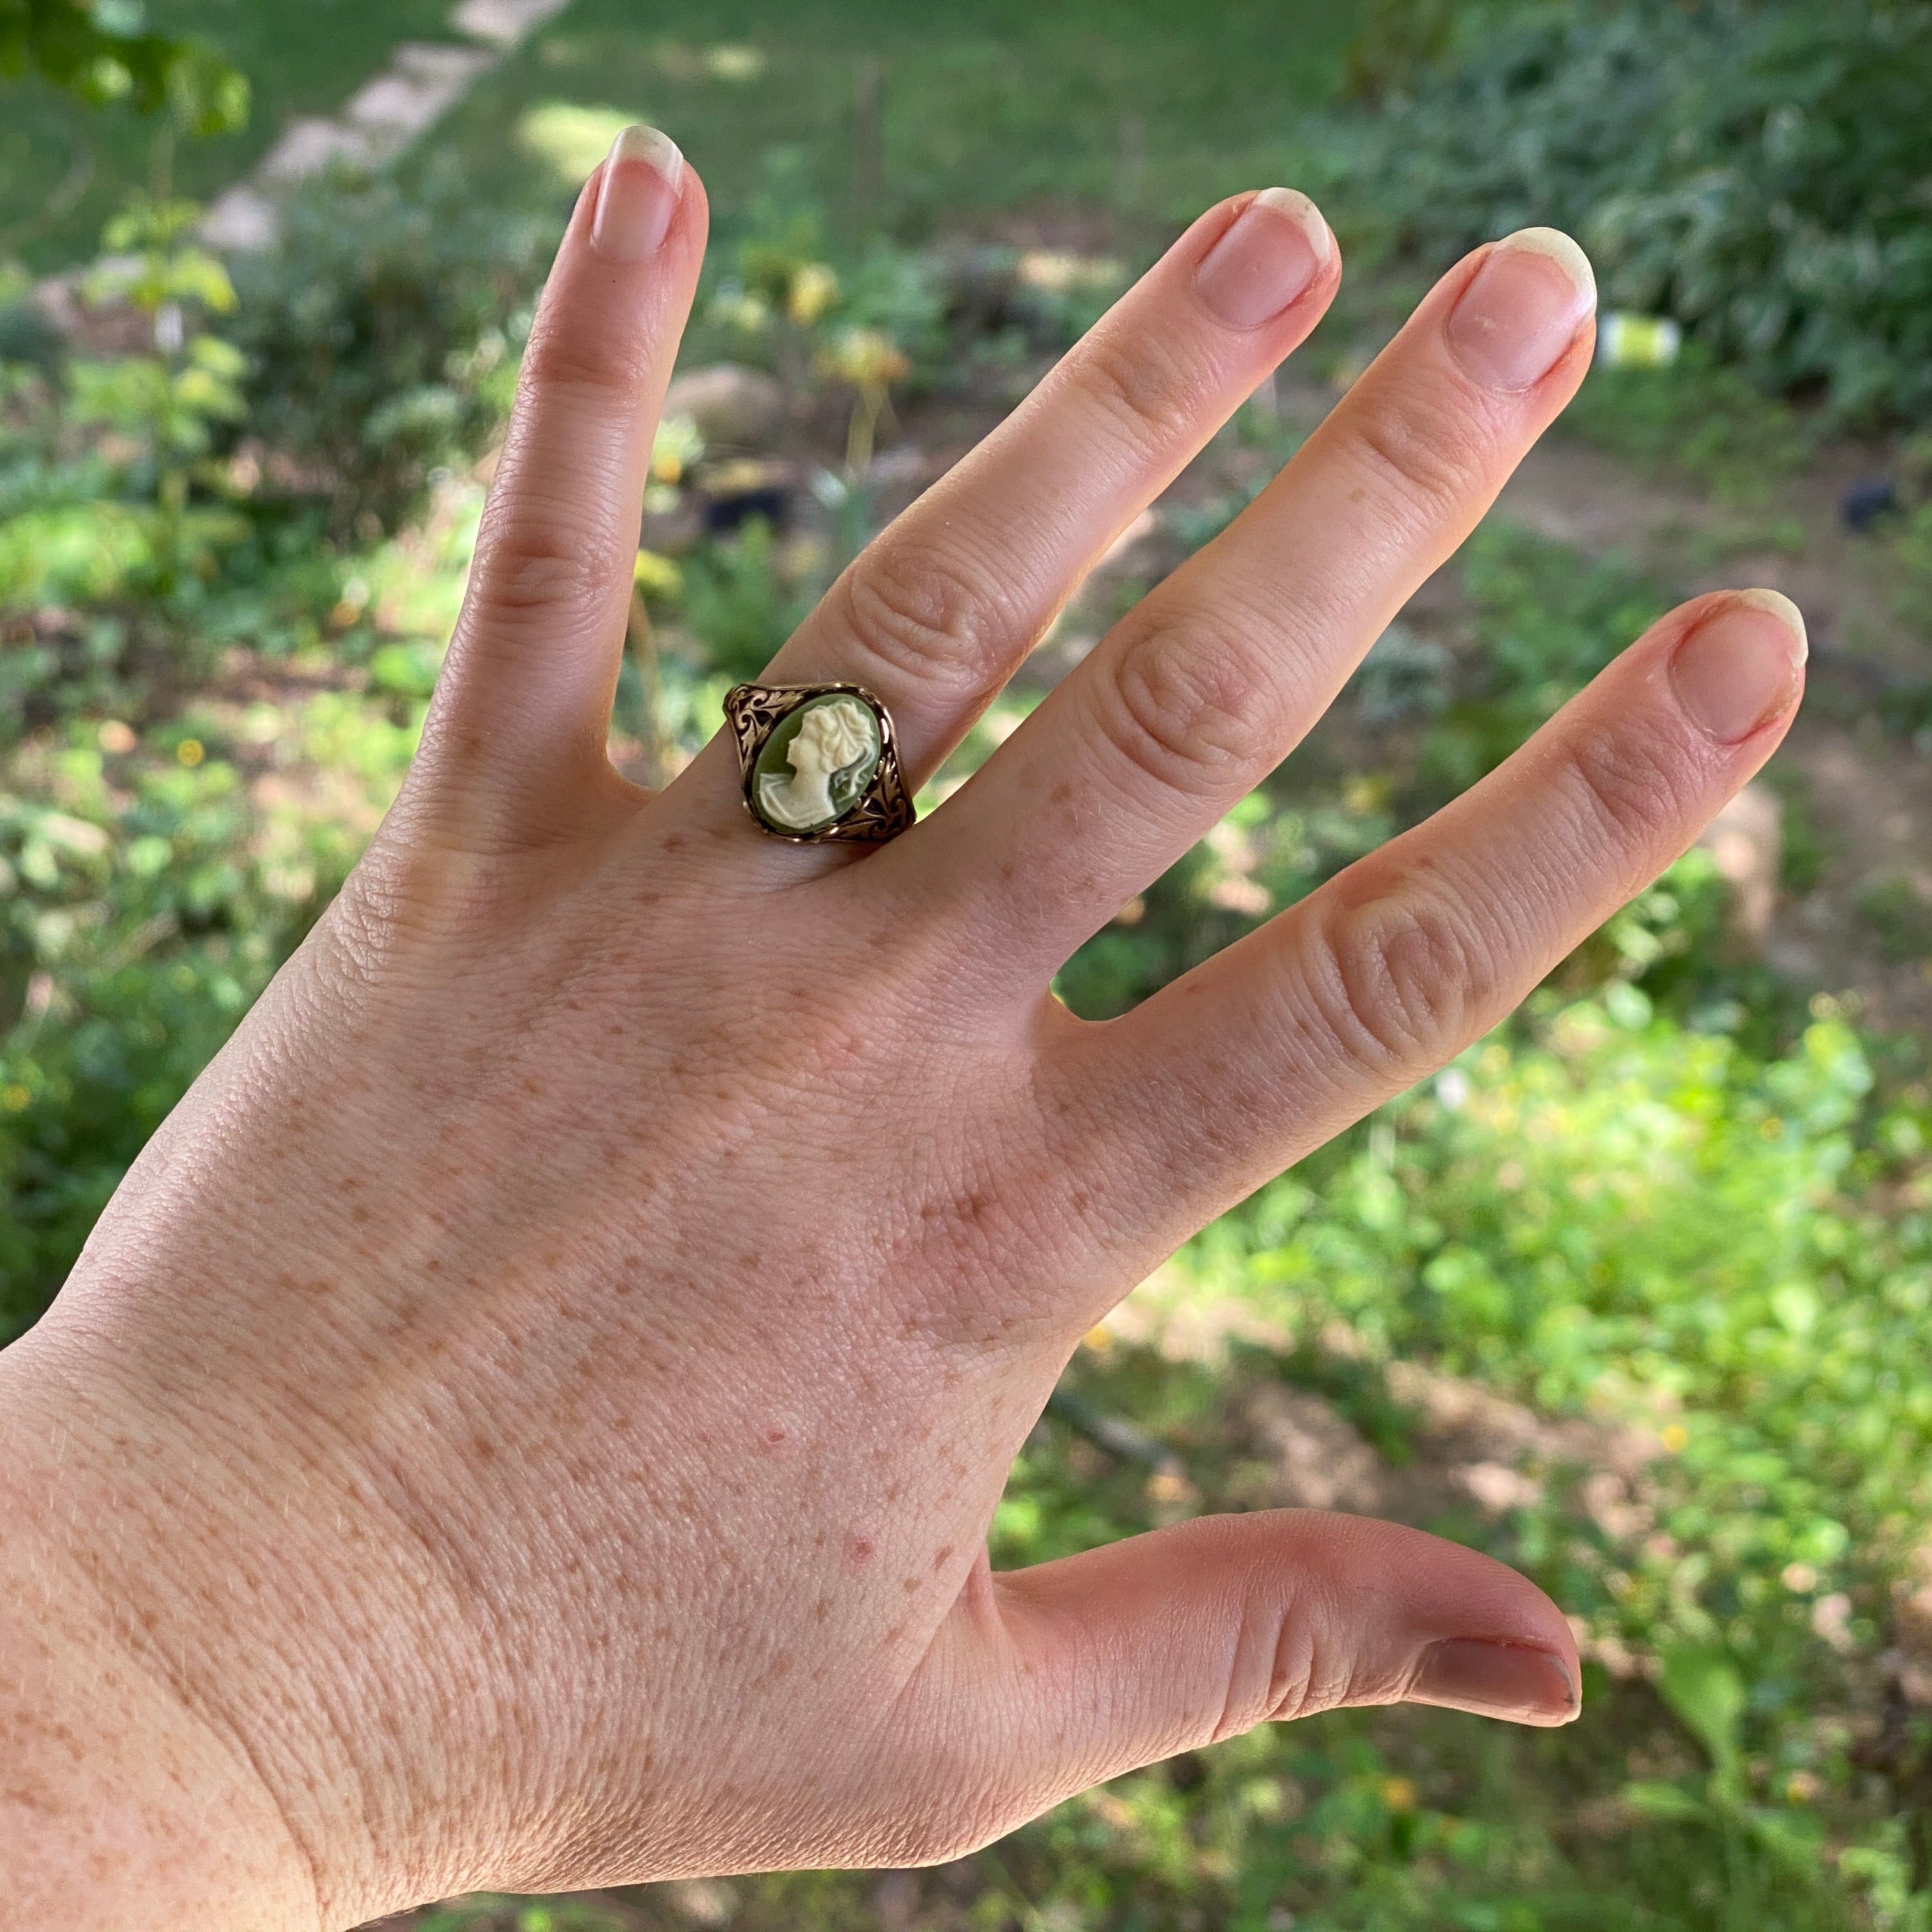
518	725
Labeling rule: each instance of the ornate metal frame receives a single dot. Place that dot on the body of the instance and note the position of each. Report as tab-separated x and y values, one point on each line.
882	811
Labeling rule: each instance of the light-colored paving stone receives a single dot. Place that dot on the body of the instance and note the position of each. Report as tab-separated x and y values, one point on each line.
307	146
505	23
240	221
422	83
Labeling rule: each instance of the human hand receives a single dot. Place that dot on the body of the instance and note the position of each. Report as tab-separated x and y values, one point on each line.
531	1417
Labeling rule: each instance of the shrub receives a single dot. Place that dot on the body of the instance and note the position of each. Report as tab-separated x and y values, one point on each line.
1756	170
383	333
145	899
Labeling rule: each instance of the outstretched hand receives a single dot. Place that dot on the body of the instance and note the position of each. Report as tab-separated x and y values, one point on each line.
531	1418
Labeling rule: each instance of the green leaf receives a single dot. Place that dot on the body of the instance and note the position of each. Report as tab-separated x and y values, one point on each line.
408	669
1667	1803
1703	1688
1794	1838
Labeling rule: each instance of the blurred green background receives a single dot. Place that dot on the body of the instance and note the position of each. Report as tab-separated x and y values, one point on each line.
1637	1295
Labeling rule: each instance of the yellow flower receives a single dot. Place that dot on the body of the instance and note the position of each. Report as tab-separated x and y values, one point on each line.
741	309
190	751
1674	1436
675	448
868	358
657	573
810	291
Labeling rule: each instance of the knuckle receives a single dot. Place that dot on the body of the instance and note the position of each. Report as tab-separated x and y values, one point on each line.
533	562
1316	1669
1628	793
1287	1661
560	361
912	609
1140	388
1421	452
1301	1678
1397	978
1183	709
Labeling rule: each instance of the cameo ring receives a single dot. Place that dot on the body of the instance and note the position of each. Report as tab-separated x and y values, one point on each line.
819	762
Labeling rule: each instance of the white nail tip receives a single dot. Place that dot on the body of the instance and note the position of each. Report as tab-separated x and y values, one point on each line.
1557	247
652	146
1775	603
1302	212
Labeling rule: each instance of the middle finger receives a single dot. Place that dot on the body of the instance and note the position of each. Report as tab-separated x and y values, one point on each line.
1202	689
937	611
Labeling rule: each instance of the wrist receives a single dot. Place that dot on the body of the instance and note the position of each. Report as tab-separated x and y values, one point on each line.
128	1800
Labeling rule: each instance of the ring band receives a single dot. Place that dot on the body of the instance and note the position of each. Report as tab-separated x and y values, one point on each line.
819	762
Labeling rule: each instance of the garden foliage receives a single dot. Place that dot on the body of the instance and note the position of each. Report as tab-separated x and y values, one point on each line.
1755	168
1670	1206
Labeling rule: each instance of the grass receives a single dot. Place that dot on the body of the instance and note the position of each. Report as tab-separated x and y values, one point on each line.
1701	421
1140	110
1117	111
64	171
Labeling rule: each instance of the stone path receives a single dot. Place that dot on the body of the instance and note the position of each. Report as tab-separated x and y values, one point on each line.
422	83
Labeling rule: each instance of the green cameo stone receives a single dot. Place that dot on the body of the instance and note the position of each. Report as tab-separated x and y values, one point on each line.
817	763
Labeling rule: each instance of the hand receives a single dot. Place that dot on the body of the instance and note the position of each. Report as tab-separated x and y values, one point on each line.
531	1417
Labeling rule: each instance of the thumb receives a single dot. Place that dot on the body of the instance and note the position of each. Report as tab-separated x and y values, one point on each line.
1125	1655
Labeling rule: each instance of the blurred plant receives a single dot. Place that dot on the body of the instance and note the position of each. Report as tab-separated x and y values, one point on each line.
869	362
1698	417
144	900
1547	620
1397	44
165	405
1911	547
1706	1691
675	447
104	541
740	597
785	288
1403	676
100	52
383	333
1899	911
1755	170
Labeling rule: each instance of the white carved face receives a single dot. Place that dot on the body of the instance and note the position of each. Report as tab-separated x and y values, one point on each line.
803	779
830	736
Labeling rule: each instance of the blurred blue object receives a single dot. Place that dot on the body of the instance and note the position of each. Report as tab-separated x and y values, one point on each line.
1868	499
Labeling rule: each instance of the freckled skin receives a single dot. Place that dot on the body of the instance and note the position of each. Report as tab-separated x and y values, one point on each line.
605	1498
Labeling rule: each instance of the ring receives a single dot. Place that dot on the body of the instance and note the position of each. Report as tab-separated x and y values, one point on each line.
819	762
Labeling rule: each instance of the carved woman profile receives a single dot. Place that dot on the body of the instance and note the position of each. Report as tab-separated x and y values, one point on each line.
835	739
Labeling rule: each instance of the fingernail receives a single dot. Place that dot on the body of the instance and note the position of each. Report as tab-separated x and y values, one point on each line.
643	176
1738	669
1511	324
1498	1680
1275	247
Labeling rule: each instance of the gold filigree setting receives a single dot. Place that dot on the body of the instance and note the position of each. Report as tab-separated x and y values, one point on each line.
882	811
